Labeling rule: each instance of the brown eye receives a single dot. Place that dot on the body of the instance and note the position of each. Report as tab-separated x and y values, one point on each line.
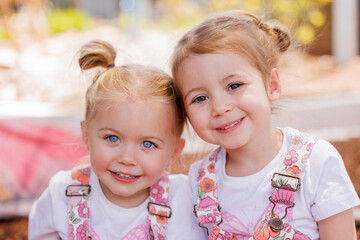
234	86
200	99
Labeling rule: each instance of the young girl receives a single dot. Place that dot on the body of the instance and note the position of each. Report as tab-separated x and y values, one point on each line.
262	182
132	129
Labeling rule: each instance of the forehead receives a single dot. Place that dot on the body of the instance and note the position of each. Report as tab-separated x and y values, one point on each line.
213	65
141	112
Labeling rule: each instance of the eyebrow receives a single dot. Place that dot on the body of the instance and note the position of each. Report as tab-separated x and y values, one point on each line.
143	137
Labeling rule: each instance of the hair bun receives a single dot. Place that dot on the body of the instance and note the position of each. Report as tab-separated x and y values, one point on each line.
282	39
97	54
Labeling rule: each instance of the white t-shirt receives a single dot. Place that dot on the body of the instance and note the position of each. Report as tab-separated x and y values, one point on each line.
48	217
326	189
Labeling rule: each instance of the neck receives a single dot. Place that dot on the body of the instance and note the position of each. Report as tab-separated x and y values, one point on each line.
255	155
132	201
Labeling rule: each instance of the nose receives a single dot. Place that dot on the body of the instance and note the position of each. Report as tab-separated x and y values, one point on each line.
221	105
128	156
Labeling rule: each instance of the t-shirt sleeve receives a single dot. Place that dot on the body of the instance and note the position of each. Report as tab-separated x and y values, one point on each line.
47	218
331	189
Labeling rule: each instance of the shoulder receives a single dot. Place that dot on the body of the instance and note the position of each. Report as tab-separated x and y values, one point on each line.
194	168
60	180
177	181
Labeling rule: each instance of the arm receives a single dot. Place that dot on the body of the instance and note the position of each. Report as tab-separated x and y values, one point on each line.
48	215
338	226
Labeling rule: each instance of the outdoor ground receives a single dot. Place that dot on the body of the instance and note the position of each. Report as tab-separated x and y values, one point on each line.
301	75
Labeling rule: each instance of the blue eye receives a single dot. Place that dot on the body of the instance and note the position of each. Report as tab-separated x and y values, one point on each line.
113	138
200	99
148	144
234	86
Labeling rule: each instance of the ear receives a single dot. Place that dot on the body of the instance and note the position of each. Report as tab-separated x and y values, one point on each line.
274	87
177	151
84	134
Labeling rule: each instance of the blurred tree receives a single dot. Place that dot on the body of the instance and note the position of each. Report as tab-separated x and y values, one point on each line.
303	17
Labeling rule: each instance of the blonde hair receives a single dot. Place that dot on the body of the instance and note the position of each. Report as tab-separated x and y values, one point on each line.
239	32
134	81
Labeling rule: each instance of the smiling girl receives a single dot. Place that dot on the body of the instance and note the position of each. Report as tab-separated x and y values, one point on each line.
263	182
132	129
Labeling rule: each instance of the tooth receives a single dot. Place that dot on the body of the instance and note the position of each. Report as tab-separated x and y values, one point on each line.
231	125
124	176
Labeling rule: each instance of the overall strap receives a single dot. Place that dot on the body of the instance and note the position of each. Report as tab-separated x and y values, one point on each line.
79	203
286	182
159	210
207	209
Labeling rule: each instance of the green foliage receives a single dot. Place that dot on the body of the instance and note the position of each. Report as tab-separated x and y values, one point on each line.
304	17
62	20
4	34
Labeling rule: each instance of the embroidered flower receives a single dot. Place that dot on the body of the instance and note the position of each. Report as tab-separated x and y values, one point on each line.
291	157
71	232
304	157
297	142
208	218
81	230
73	201
157	192
214	235
160	219
206	202
160	230
81	174
152	210
207	185
299	236
211	168
294	171
261	233
83	210
309	147
201	173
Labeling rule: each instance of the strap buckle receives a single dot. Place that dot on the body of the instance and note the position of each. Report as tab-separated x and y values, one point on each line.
281	183
158	208
200	225
78	190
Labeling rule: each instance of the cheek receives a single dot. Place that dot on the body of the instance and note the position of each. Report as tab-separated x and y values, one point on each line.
155	165
98	160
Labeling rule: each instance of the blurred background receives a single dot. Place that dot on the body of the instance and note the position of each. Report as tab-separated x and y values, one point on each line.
42	89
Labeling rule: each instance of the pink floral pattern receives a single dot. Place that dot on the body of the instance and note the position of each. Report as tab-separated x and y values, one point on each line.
83	210
157	191
79	212
206	208
81	231
291	157
201	173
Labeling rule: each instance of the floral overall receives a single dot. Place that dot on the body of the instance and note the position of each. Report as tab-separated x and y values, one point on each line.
79	206
285	183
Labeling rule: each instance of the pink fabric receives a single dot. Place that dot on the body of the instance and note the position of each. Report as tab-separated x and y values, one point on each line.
30	153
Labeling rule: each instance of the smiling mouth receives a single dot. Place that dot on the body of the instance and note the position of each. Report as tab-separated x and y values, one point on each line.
231	125
125	175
